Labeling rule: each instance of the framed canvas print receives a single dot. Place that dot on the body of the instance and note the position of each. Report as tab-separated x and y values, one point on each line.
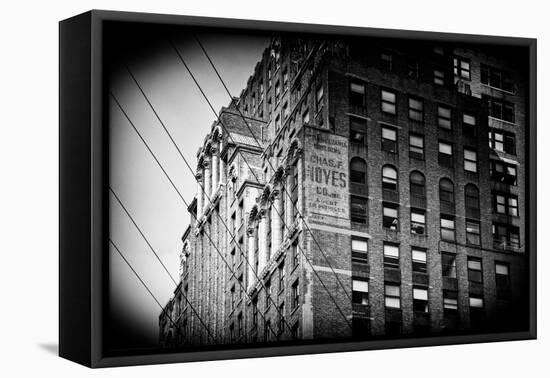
234	188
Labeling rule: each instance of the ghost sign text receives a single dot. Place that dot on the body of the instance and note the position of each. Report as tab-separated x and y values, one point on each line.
326	167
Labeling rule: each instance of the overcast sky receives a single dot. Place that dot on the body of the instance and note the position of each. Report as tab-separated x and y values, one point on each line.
139	182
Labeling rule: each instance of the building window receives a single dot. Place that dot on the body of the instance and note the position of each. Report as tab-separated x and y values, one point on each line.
447	227
439	77
241	286
505	236
446	192
416	146
360	291
444	118
469	125
359	250
358	130
294	192
281	314
505	203
503	172
261	90
305	116
286	110
255	312
268	331
295	330
496	78
389	140
462	68
477	312
392	296
502	279
295	295
277	122
473	233
357	98
419	261
388	102
474	270
389	178
448	264
358	170
413	68
470	160
391	255
420	299
281	277
502	141
232	333
386	61
450	301
233	298
416	109
319	96
418	222
295	256
445	156
268	299
359	206
277	92
390	216
240	328
285	79
471	197
501	109
417	185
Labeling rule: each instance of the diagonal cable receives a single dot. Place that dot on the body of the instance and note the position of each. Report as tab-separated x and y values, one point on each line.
272	168
256	177
233	236
142	282
180	195
160	261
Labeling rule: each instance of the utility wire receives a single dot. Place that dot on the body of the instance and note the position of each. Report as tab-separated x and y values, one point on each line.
142	282
256	177
233	236
180	195
272	168
160	261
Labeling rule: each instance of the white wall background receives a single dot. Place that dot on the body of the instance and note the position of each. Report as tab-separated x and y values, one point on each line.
29	188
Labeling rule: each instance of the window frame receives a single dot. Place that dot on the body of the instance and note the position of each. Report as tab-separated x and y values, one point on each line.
389	145
470	161
386	103
386	218
416	109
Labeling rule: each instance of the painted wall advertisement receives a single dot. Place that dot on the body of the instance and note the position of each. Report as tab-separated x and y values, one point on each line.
326	169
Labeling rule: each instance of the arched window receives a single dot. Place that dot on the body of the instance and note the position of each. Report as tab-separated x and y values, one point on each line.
417	184
471	194
389	178
446	191
358	170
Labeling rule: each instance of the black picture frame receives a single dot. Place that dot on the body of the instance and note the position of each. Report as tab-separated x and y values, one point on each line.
83	166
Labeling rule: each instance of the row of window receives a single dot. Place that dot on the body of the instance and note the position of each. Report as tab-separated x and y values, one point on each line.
388	104
413	68
360	286
505	236
498	169
503	203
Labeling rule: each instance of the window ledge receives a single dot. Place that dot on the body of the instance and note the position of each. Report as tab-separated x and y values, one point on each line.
498	89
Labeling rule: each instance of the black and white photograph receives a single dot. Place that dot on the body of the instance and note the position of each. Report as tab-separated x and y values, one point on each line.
280	188
239	189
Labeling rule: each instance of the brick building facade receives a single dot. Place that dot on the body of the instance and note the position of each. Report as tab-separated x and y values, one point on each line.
358	189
